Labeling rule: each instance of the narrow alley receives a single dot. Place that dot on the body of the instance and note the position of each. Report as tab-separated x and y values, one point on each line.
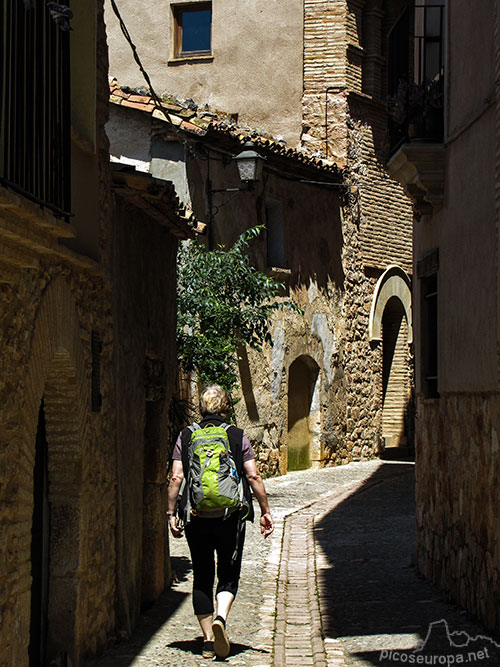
334	586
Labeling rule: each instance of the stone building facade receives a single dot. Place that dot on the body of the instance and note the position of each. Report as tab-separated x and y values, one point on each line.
453	178
340	379
65	356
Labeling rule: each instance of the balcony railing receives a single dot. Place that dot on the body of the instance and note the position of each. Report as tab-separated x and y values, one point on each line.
35	104
416	76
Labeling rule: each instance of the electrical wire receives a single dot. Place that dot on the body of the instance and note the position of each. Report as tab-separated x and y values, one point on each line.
154	95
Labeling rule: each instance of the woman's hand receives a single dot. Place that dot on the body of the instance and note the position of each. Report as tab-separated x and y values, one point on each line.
266	524
174	526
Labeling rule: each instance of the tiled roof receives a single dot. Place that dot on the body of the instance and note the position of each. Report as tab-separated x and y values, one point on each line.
156	197
191	119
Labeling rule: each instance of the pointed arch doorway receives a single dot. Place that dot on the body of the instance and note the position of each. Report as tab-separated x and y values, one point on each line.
391	324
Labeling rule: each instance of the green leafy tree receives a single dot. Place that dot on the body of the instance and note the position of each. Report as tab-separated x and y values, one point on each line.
223	303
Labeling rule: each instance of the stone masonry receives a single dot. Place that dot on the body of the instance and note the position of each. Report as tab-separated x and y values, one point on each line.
463	560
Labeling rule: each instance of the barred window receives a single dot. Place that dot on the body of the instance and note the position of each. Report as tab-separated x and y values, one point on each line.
35	104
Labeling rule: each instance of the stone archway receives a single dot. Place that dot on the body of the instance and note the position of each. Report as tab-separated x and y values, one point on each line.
390	323
56	377
303	414
393	282
395	390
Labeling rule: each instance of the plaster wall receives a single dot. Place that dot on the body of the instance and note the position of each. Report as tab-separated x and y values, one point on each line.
88	60
457	434
130	141
467	264
464	229
471	61
256	70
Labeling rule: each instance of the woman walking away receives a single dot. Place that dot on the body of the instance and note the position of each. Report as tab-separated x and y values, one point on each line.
218	464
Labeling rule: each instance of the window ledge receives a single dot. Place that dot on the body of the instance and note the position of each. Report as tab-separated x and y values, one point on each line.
191	59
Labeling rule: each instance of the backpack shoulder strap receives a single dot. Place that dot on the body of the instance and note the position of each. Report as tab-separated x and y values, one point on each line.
185	446
194	427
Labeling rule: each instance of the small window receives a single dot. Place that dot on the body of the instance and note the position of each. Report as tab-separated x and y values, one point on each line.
193	29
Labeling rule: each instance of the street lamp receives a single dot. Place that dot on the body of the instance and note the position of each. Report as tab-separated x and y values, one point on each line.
249	164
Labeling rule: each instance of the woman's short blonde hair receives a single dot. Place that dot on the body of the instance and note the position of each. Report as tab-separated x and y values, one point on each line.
215	400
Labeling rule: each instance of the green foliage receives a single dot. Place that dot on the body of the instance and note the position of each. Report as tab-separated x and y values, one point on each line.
222	303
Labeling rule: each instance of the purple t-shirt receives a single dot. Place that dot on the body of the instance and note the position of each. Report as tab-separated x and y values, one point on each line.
248	453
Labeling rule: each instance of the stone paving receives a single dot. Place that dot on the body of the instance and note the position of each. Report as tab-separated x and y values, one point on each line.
334	586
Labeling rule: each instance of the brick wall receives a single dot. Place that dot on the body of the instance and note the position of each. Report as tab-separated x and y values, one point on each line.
343	48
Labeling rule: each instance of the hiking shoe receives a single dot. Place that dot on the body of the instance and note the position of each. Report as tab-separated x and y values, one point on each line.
221	642
208	650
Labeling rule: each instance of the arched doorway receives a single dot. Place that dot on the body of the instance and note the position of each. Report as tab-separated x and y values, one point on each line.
395	392
302	411
391	324
40	537
55	412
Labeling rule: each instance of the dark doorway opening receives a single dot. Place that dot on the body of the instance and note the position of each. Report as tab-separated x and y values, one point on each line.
302	377
40	540
394	373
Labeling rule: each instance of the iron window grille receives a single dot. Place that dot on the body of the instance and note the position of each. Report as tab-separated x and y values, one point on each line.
35	151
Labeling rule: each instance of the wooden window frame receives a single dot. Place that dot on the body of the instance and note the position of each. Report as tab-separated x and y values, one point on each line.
178	9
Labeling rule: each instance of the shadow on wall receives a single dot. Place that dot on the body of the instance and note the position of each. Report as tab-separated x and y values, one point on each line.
307	227
247	385
149	625
372	595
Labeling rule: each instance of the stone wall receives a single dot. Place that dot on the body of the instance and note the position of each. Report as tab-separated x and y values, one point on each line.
346	409
458	495
48	315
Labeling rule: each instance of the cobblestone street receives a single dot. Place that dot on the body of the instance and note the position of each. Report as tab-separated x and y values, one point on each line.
335	585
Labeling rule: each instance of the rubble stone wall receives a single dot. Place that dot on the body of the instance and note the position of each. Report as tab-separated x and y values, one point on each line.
47	318
458	495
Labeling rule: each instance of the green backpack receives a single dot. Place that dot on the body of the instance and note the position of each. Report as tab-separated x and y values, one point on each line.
214	488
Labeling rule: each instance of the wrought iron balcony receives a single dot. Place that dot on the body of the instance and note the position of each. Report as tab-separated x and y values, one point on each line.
416	76
415	104
35	104
416	113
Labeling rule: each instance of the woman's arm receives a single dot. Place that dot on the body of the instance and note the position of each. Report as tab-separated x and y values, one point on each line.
173	492
255	480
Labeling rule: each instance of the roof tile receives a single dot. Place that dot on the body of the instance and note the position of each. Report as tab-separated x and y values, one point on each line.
203	121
